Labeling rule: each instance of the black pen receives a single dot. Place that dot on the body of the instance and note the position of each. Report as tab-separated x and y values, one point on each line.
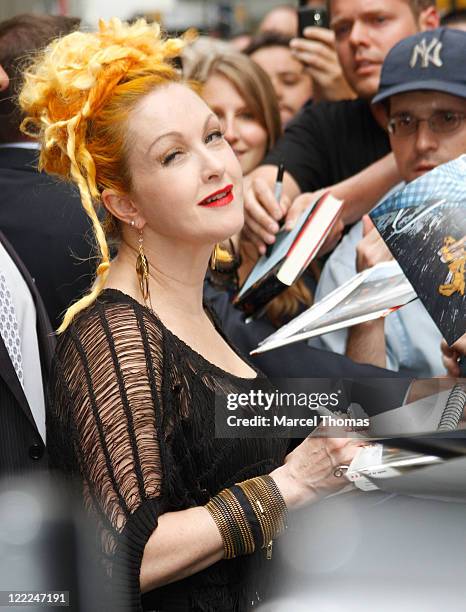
278	194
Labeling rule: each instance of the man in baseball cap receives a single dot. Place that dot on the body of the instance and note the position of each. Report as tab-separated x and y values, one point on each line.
422	102
423	91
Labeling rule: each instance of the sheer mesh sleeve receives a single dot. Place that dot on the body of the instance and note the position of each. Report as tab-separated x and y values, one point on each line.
104	426
132	419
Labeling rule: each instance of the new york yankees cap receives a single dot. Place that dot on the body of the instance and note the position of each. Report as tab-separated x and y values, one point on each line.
432	60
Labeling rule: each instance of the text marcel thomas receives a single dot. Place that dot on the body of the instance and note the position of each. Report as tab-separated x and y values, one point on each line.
313	401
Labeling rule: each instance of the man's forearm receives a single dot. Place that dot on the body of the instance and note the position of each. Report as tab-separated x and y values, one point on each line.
363	190
366	343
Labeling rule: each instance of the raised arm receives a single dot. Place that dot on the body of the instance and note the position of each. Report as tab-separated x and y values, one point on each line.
360	193
366	341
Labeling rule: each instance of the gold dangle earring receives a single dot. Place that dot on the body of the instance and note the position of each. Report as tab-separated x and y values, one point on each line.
220	256
142	268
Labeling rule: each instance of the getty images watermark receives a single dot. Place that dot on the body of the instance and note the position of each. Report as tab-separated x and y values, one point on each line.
292	408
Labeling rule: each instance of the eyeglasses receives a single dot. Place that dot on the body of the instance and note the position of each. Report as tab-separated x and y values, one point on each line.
440	122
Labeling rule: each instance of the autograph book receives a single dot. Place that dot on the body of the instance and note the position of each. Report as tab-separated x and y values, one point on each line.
292	252
373	293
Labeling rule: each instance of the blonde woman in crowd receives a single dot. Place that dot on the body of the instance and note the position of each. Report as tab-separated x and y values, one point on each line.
290	79
140	358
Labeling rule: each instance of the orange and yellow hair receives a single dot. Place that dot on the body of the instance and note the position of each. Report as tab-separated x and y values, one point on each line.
76	98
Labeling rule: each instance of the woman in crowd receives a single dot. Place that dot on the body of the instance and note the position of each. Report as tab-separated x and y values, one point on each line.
290	79
242	96
140	358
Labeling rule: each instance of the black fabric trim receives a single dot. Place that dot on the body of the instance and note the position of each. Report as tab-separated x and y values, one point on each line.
126	592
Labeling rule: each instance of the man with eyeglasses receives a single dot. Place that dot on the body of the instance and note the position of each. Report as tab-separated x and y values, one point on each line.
422	101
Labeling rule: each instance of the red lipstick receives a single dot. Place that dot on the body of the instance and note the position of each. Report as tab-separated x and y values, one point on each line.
222	197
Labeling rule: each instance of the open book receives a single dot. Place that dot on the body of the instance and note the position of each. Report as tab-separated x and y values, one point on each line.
292	252
373	293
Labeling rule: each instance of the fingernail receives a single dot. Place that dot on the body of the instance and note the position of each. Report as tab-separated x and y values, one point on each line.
273	227
289	225
279	214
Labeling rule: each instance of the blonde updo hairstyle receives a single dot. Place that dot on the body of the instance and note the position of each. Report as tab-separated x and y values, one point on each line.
77	96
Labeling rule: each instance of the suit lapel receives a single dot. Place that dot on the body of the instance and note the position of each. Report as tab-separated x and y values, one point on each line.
44	334
8	374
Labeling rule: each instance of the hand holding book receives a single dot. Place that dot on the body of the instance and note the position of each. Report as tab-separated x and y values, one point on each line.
291	254
371	250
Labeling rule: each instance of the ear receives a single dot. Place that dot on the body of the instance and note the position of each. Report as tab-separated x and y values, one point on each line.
380	113
122	207
4	80
429	19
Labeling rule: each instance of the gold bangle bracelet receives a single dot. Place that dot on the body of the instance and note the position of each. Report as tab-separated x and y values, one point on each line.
269	507
232	524
224	526
247	537
259	504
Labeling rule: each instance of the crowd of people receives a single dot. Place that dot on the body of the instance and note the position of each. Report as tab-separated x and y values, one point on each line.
138	176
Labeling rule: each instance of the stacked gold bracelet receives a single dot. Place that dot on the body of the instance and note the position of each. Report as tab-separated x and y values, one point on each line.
249	515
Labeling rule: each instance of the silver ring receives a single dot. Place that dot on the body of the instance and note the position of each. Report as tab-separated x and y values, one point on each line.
340	471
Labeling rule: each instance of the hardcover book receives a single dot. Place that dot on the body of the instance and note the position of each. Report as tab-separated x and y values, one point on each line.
292	252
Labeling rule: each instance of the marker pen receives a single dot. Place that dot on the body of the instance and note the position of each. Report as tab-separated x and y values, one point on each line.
278	194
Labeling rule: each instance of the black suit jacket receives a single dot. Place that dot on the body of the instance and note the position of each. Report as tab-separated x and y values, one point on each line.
43	219
21	447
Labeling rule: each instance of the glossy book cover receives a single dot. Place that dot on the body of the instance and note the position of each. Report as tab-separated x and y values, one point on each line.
424	226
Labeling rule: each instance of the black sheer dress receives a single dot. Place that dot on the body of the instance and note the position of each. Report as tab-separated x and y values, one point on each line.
132	422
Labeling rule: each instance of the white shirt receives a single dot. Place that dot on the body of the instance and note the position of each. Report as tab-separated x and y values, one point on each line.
26	317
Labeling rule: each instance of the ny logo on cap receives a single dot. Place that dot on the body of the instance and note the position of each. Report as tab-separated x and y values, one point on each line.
427	53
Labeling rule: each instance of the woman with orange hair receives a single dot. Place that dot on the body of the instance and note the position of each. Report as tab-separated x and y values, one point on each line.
140	358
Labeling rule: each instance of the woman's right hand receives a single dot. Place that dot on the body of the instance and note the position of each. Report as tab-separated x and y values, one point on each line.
308	472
